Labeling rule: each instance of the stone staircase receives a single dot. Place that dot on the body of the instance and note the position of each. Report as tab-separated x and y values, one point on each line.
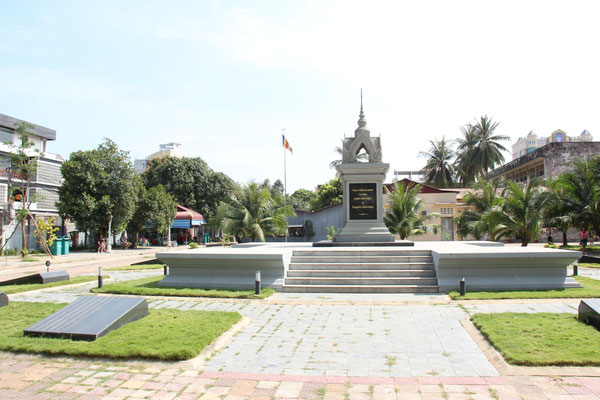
361	271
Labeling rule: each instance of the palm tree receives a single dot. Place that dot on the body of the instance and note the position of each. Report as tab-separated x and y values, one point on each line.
579	189
558	215
403	215
482	200
465	168
487	152
520	212
439	170
363	157
253	213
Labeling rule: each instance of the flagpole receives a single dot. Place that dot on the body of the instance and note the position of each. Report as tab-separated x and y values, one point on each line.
285	187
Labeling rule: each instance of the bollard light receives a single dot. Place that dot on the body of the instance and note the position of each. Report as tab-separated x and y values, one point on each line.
575	268
47	266
257	282
100	278
463	287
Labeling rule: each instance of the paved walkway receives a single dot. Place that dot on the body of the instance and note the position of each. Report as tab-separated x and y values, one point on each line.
307	346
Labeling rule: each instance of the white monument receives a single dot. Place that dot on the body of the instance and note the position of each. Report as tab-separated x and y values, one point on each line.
363	188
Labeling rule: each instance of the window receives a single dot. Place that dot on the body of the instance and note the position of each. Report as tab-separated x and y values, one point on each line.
447	211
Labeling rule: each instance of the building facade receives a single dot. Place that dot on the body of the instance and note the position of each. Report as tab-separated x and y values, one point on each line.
43	190
531	142
170	149
547	161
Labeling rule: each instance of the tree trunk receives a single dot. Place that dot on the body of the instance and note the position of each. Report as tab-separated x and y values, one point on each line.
564	234
169	236
524	242
108	246
24	246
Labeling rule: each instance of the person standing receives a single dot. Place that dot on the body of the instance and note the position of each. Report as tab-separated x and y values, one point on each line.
583	236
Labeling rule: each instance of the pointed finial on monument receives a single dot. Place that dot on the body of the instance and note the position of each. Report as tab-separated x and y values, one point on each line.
361	118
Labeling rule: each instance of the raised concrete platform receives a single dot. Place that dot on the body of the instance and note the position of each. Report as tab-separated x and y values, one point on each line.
42	277
329	243
589	312
485	266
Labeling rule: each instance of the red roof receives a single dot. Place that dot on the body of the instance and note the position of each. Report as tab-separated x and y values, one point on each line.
184	213
424	188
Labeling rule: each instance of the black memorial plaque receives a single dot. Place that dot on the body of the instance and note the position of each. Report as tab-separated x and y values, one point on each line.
90	317
363	200
3	299
589	312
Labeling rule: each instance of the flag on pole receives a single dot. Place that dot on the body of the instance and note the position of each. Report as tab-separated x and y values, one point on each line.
286	144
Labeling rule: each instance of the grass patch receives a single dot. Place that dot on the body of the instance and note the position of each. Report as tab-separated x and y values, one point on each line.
162	335
136	267
10	289
590	289
589	265
148	287
541	339
593	248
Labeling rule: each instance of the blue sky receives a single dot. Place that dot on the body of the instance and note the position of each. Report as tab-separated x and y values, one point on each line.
223	77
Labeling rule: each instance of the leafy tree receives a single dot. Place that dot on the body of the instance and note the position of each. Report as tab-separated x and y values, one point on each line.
558	215
99	189
309	230
277	188
439	170
579	189
301	199
482	200
329	194
520	212
464	166
253	213
191	182
46	232
487	152
403	216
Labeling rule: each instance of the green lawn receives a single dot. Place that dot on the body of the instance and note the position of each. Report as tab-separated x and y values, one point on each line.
591	288
10	289
541	339
148	287
589	265
162	335
136	267
574	247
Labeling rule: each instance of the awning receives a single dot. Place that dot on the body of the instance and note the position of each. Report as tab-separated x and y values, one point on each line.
187	218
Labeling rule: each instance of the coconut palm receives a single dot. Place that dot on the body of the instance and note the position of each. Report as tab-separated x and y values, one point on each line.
253	213
403	216
520	212
487	152
465	168
558	215
484	197
579	189
439	170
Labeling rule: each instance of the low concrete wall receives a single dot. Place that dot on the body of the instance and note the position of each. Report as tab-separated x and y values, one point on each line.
487	266
223	268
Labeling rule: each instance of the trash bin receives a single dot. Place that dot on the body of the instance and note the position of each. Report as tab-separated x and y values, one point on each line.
206	238
56	248
66	241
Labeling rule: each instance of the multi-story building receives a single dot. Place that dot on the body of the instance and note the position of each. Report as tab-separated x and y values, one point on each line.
43	186
531	142
165	150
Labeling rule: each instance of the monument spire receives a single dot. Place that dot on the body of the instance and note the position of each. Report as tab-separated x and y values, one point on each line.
362	122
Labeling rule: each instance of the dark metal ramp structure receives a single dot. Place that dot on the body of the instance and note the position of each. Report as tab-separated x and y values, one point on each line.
90	317
42	277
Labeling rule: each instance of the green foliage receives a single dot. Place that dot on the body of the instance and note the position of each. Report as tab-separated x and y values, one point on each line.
162	335
301	199
520	212
148	287
591	289
403	216
361	157
579	190
439	170
47	231
308	228
194	245
98	184
225	241
331	232
191	182
487	151
329	193
541	338
254	213
484	198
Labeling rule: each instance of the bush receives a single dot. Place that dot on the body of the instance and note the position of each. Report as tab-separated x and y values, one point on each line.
194	245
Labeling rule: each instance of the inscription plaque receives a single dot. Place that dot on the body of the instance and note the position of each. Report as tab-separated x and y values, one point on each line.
363	200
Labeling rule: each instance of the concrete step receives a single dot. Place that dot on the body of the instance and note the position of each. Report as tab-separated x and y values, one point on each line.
355	259
360	253
361	288
348	273
361	266
360	281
